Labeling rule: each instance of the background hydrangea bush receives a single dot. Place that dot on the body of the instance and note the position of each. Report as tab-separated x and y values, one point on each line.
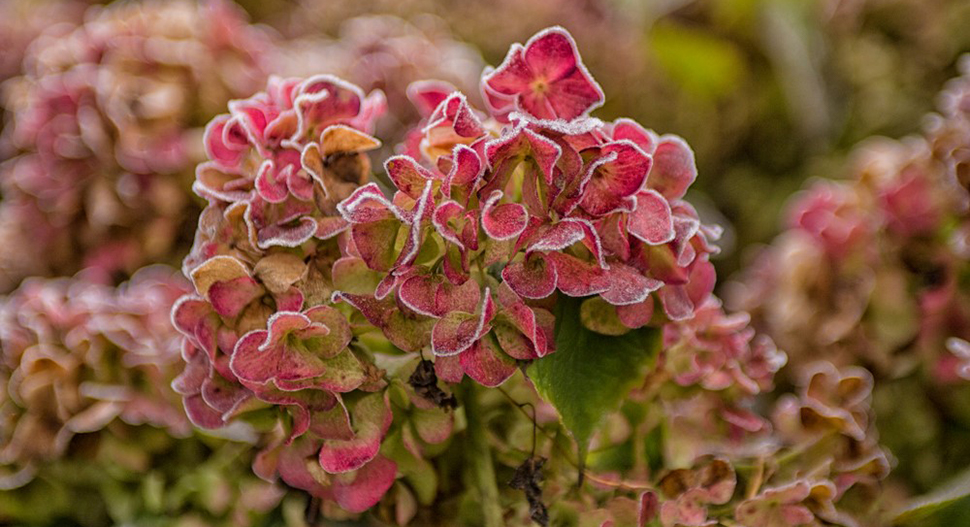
106	134
91	431
873	272
435	295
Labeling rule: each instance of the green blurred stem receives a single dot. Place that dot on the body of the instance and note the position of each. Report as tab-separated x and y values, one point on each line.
480	467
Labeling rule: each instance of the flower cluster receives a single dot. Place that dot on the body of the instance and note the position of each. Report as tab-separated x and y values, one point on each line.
260	333
312	287
106	117
509	207
872	269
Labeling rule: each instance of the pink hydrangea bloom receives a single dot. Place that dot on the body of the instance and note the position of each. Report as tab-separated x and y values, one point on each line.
78	357
104	132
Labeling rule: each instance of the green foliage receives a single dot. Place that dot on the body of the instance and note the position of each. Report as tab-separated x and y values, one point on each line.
947	505
590	374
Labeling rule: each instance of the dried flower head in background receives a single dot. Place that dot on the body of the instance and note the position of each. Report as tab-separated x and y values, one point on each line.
105	123
85	374
872	271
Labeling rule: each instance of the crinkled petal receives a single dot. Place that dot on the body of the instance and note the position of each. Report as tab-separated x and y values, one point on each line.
651	221
614	178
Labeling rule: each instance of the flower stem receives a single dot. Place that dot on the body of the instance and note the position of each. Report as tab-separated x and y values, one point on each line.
481	471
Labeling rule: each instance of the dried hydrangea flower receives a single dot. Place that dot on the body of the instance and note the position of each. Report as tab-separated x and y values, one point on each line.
871	272
85	370
572	205
386	53
260	337
75	355
106	118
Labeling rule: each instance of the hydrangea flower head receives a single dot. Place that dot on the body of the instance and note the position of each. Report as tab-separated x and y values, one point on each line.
105	124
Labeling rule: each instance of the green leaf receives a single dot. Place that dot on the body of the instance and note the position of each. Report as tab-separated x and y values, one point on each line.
939	501
590	374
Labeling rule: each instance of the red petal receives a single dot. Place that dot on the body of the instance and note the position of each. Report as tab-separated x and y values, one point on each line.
408	176
614	178
503	221
673	167
370	484
651	220
533	277
486	365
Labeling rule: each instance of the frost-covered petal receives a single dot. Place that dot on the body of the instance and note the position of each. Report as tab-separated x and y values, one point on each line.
487	365
614	177
507	152
547	77
371	417
230	297
426	95
369	485
457	331
503	221
651	221
575	277
673	168
408	176
631	130
533	277
628	285
225	155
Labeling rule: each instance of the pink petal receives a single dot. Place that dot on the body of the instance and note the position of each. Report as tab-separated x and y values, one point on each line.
559	236
486	365
371	416
446	213
448	369
533	277
575	277
676	302
631	130
250	363
419	294
464	174
547	77
455	113
503	221
614	178
628	285
673	167
507	152
408	176
201	414
651	220
226	156
230	297
426	95
371	482
271	183
324	99
636	315
457	331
